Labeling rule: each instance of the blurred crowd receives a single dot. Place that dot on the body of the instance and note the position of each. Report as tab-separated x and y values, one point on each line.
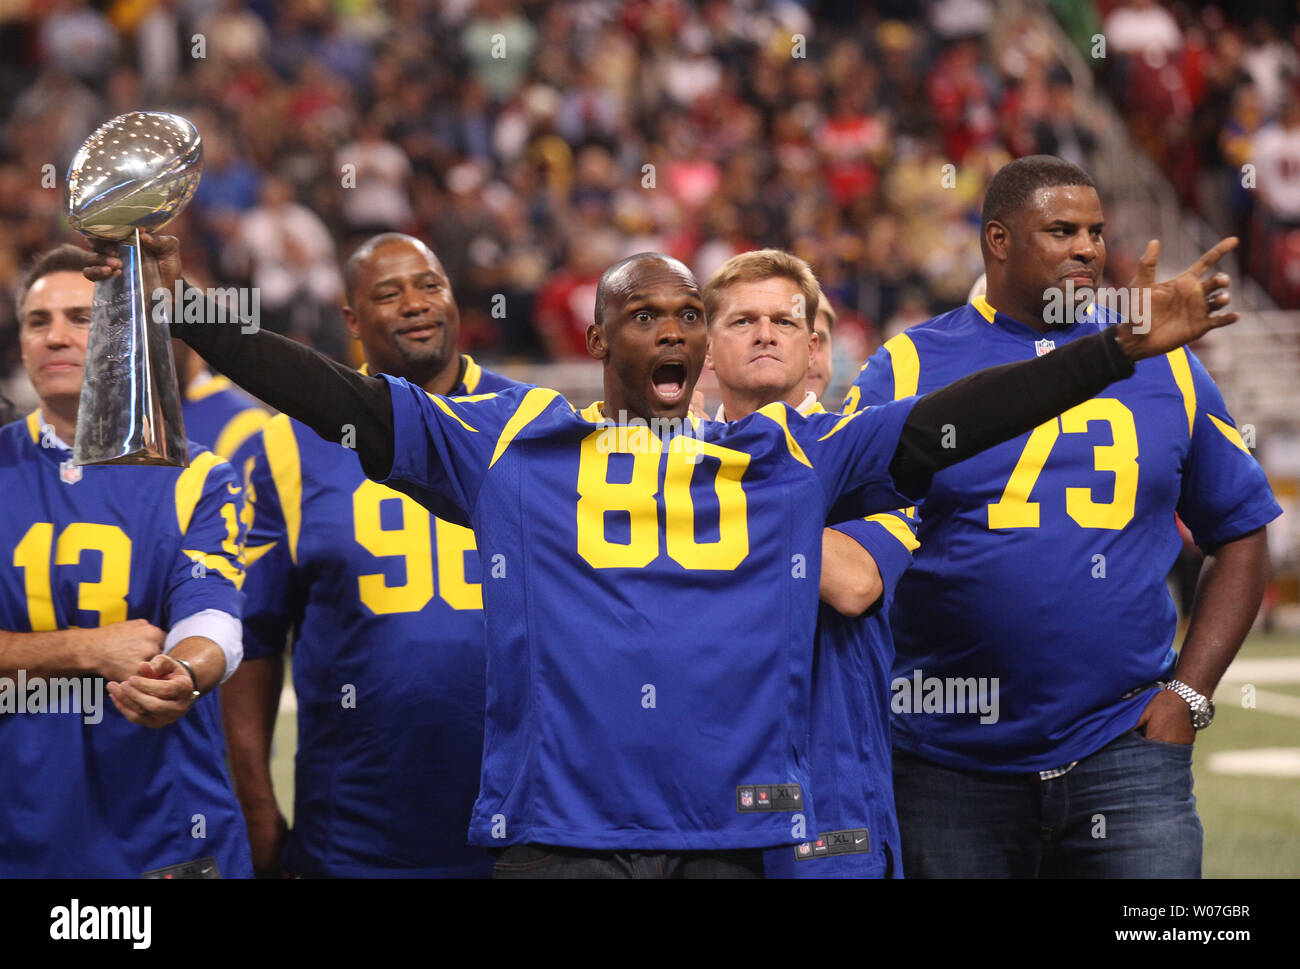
1213	95
532	143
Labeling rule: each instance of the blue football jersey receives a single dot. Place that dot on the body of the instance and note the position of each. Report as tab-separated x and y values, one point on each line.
850	754
87	547
1040	580
222	418
386	609
650	606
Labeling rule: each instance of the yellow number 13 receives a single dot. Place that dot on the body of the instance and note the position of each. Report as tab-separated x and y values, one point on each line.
1015	510
105	597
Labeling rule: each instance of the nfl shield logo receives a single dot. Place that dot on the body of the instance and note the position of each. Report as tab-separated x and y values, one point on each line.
69	473
805	849
747	798
1044	346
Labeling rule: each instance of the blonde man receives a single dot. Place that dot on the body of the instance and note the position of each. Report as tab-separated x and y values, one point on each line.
760	307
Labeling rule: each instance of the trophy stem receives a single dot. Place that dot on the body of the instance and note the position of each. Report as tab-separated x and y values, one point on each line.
130	408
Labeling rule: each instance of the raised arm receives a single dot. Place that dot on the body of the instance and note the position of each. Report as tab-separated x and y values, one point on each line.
333	400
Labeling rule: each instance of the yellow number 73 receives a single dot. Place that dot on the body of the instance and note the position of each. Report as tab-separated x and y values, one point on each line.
1015	510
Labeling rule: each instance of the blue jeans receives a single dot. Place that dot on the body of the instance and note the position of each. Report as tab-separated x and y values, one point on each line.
550	861
1126	811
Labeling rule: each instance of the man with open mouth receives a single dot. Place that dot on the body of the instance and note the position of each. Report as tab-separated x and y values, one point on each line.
649	600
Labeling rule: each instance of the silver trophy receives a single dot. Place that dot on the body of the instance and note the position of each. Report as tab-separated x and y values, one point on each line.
134	173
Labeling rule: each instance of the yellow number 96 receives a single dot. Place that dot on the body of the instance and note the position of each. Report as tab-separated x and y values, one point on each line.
413	542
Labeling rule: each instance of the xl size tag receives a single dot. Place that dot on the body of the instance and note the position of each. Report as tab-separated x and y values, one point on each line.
200	868
847	842
768	797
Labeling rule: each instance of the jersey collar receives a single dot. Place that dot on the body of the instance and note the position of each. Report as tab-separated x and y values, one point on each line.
36	428
809	405
468	379
595	413
205	385
1021	331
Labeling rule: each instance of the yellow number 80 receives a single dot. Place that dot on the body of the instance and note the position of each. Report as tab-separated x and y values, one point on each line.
638	497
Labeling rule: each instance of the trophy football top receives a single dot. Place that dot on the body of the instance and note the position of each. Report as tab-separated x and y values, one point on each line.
136	171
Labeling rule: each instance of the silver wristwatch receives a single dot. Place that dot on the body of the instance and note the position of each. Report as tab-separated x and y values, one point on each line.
1202	708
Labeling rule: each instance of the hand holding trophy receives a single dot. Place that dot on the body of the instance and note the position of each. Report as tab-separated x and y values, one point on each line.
135	173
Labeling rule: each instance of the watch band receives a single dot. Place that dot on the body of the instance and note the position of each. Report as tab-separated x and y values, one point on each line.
1201	706
194	680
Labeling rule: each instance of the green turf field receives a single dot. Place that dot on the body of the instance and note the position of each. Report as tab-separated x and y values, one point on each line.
1252	820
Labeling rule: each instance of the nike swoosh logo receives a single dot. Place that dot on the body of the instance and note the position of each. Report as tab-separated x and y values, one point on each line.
858	841
254	552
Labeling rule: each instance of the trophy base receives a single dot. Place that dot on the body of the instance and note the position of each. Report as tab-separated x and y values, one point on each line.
136	459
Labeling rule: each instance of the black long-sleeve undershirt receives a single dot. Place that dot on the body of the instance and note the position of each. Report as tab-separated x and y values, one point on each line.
946	426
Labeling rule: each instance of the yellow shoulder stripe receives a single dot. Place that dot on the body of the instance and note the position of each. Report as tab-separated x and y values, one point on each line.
254	552
451	413
776	412
189	487
473	373
534	402
219	564
238	430
34	425
286	472
471	398
898	528
1230	432
216	385
840	424
907	367
1183	378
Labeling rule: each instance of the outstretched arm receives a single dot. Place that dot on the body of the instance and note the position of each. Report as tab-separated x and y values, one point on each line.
999	403
328	397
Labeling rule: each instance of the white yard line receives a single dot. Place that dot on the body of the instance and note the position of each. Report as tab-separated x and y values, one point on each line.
1280	703
1255	670
1261	762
